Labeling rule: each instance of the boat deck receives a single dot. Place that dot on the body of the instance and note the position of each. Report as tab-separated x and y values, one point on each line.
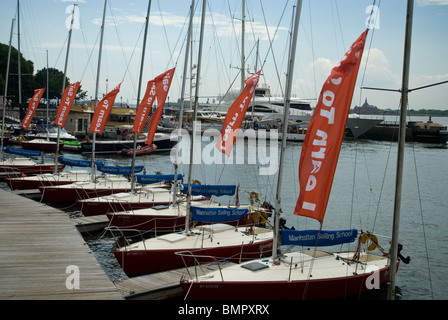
37	244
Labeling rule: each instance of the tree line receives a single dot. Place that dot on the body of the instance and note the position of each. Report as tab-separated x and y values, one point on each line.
30	80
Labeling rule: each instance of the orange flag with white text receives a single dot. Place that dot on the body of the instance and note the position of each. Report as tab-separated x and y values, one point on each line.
32	106
66	103
102	111
235	115
163	83
144	108
322	144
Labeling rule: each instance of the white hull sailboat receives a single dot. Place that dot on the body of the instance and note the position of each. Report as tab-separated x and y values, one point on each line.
215	240
312	274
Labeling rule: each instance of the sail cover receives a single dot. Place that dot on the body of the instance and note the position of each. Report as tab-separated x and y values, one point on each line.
210	190
22	152
78	162
320	150
321	238
201	214
154	178
119	170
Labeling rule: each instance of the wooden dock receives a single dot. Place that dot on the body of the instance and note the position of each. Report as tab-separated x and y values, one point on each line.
37	245
39	242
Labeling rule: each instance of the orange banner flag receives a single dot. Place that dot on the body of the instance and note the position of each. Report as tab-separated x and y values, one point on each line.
66	103
163	83
322	144
235	115
144	108
102	111
32	106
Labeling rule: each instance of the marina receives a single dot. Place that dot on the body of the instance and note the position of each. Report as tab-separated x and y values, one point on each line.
242	211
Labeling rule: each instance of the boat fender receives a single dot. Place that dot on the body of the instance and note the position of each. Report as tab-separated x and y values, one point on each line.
373	239
405	260
21	137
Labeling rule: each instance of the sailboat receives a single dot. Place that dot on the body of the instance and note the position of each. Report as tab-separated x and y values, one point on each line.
213	241
14	166
312	274
52	179
24	164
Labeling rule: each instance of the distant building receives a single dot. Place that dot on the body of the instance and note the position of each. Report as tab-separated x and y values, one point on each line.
366	108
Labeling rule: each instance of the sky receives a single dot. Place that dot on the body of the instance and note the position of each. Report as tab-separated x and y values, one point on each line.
327	29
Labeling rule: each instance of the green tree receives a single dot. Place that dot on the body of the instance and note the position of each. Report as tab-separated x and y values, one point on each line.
27	71
55	83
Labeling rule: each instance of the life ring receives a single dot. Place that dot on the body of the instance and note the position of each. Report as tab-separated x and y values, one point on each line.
373	239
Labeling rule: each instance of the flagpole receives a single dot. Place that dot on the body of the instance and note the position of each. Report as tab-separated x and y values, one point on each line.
182	98
195	115
138	95
63	85
97	87
292	54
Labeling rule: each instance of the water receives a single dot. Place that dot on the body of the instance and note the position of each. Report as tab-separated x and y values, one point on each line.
362	197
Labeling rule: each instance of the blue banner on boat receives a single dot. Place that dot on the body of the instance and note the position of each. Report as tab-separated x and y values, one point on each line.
210	190
78	162
119	170
154	178
217	214
321	238
22	152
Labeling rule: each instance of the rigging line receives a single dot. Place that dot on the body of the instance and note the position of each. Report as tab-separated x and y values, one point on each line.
368	53
340	25
86	49
312	50
89	55
422	218
166	35
121	46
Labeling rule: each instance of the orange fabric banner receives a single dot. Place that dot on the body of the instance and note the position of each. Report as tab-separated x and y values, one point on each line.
32	106
144	108
102	111
163	83
235	115
322	144
66	103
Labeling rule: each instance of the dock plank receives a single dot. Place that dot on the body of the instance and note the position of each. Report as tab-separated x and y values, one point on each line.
37	244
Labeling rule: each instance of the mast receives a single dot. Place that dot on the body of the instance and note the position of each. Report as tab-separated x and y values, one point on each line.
138	94
18	54
400	156
97	87
195	116
243	30
48	99
292	54
182	95
63	86
5	98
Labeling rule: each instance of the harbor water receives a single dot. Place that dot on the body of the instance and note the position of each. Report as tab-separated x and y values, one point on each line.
362	197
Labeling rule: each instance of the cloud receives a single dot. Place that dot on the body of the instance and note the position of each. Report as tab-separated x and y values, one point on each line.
432	2
377	70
